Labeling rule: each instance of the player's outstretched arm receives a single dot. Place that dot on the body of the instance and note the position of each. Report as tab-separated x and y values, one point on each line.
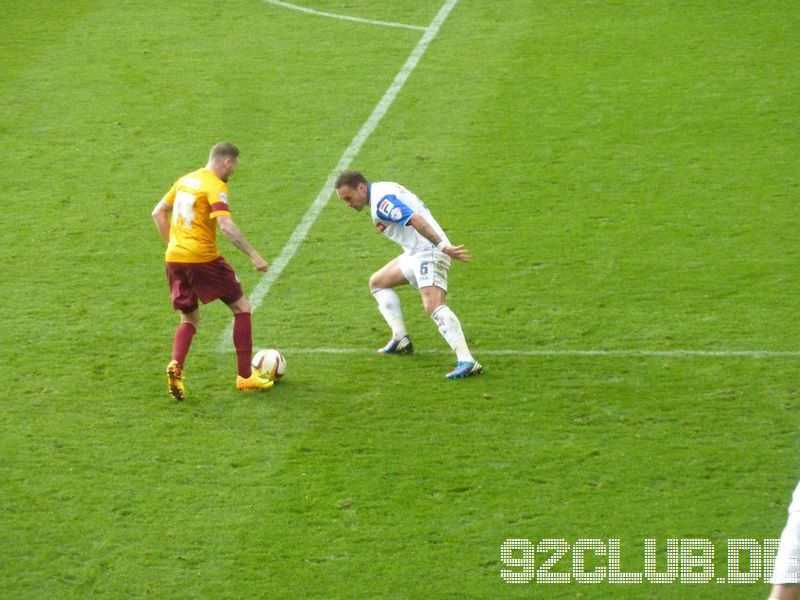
235	237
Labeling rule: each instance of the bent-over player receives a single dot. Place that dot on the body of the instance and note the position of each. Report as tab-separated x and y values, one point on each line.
424	264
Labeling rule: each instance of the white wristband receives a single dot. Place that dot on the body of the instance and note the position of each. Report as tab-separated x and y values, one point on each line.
440	246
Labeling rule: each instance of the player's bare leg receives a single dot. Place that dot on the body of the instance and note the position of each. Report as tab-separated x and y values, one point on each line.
381	286
785	591
433	298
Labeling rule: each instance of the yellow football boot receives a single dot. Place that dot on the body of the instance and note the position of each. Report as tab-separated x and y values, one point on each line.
258	380
175	380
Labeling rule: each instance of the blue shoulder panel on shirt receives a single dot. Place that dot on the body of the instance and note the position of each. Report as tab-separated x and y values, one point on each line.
391	208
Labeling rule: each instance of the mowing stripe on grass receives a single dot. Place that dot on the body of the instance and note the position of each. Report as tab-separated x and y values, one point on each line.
546	352
320	13
313	212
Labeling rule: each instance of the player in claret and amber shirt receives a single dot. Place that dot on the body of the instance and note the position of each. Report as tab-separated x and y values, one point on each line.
187	218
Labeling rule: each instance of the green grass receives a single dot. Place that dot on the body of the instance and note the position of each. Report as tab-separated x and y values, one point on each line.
625	175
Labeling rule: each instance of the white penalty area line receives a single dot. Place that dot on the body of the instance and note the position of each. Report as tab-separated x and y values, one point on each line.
576	353
320	13
312	214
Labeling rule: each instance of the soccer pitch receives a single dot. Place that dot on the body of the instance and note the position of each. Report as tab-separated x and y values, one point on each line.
625	175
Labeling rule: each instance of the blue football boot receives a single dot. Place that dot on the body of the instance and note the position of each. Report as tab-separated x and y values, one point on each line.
465	369
401	346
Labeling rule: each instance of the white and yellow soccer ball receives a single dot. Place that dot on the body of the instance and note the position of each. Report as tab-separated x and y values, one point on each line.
271	362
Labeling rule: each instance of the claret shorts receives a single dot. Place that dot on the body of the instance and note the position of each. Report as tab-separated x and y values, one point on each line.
206	282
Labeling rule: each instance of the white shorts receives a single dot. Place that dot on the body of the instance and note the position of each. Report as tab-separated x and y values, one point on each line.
787	561
425	269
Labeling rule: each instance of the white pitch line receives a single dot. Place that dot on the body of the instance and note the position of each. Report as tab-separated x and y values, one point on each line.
320	13
313	212
577	353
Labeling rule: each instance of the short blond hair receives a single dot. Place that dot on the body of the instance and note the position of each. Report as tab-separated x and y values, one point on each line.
223	150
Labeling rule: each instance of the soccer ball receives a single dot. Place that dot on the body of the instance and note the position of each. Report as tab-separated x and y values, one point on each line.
270	361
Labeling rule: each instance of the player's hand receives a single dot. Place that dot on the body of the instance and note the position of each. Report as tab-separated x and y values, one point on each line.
259	263
457	252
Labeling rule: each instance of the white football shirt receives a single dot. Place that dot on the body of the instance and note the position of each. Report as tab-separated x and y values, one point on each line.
391	206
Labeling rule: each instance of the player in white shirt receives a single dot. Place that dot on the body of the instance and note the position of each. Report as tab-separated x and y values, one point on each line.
786	574
424	264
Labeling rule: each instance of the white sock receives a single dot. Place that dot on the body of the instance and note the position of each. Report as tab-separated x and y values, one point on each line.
450	328
389	305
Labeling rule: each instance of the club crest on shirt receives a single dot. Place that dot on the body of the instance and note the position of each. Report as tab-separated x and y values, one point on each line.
223	196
